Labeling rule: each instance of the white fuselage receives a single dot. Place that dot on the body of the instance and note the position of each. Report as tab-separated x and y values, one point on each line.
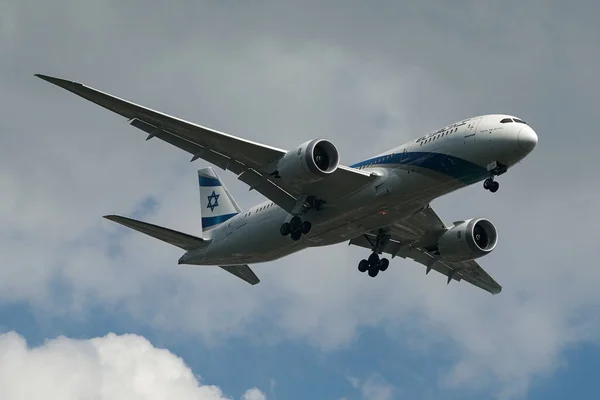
409	178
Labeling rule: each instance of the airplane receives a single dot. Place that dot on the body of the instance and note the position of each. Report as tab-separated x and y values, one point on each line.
381	204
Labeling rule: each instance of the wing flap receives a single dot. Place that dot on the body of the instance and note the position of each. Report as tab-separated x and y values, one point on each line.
267	188
166	136
178	239
243	272
472	272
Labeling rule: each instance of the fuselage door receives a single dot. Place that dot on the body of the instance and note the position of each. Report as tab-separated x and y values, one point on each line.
471	128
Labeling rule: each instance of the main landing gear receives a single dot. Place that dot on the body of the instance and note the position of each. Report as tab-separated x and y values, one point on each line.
374	264
295	228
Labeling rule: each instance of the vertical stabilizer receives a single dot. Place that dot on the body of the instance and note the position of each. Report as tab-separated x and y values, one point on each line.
217	204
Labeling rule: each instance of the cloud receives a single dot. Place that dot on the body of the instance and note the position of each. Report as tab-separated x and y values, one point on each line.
254	394
106	368
368	78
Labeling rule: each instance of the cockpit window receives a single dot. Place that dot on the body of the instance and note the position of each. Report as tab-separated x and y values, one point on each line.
519	121
506	120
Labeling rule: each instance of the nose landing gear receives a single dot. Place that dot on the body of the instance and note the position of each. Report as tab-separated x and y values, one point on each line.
495	168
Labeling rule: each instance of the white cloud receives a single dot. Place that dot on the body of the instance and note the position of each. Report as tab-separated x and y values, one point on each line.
125	367
254	394
73	162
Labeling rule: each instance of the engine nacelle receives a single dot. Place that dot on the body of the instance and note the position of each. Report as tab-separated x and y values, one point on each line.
468	240
309	162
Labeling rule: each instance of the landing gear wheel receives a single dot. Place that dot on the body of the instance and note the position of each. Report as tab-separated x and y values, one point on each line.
373	260
363	265
285	229
306	227
384	264
491	185
296	235
374	264
296	224
487	184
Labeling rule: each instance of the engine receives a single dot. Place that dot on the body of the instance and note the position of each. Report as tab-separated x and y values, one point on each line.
468	240
309	162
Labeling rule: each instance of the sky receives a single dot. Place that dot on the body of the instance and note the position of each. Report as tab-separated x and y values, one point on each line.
91	310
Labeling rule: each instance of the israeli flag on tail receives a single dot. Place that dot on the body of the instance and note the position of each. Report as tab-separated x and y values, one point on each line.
217	203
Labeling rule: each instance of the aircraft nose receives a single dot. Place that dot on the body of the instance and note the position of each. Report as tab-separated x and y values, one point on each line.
527	138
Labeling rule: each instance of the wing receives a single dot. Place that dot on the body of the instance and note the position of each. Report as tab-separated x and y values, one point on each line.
416	238
244	158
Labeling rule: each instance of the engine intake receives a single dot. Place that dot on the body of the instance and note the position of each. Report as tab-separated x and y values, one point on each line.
468	240
309	162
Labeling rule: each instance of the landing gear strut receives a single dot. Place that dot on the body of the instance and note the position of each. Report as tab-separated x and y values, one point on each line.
295	228
374	264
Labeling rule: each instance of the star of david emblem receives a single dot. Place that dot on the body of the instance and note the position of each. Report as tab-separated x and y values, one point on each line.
213	201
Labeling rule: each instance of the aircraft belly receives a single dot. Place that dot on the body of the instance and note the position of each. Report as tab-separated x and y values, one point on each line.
253	241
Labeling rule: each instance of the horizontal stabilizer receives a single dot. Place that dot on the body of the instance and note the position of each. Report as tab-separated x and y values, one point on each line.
243	272
179	239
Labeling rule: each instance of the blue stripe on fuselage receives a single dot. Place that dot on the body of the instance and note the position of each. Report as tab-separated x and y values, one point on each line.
207	222
454	167
206	182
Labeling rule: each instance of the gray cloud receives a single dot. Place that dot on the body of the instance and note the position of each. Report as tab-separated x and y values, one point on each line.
368	77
